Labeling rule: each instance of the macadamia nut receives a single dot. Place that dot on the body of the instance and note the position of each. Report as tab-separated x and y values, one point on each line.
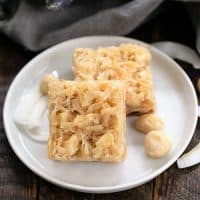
157	144
148	122
44	83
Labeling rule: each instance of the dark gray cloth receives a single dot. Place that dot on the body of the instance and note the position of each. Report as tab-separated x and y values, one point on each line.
194	11
37	28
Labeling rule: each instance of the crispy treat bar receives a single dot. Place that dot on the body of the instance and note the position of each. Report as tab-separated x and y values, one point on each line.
87	120
128	62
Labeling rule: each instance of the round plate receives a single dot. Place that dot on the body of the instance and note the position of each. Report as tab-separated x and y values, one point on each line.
176	103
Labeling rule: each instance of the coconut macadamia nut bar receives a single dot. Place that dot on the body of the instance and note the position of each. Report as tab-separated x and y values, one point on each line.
129	62
87	120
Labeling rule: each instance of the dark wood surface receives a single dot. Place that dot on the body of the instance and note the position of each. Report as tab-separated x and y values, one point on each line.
18	182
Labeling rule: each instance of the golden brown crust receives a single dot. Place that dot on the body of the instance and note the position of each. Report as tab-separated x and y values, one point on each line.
87	121
129	62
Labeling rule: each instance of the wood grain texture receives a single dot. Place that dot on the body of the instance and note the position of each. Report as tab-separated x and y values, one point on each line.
144	192
51	192
180	184
18	182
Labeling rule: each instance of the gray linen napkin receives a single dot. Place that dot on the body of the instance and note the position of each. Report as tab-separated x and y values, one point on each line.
194	11
37	28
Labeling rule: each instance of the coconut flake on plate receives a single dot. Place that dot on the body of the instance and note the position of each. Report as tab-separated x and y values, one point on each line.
189	159
30	113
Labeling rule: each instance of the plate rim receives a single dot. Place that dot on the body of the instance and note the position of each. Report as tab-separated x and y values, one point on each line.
104	189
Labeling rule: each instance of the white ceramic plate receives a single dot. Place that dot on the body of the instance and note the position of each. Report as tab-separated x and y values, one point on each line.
177	105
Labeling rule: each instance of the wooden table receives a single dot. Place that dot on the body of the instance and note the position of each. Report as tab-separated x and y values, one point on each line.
18	182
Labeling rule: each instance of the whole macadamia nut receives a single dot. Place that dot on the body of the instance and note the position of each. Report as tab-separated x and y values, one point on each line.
148	122
157	144
44	83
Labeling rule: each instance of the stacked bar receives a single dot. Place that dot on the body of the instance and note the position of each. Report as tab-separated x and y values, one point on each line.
87	116
129	62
